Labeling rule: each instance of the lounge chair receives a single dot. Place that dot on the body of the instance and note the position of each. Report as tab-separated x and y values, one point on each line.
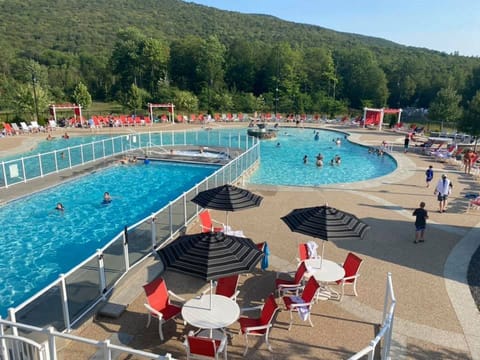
25	127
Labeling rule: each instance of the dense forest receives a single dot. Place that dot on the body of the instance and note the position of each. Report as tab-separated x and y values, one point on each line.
207	60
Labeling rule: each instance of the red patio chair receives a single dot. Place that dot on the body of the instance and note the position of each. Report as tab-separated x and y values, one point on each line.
303	304
282	285
200	347
207	222
351	266
226	286
158	303
259	326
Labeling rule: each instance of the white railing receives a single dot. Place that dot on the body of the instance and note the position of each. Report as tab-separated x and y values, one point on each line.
62	303
386	329
14	347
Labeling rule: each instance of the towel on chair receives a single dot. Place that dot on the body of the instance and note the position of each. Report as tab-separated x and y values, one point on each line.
266	254
312	249
303	311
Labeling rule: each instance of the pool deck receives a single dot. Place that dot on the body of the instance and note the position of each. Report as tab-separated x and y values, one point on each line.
436	317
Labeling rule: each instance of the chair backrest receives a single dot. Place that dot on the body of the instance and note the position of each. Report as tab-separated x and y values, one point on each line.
157	293
268	311
303	252
202	346
227	286
301	270
310	290
206	221
351	265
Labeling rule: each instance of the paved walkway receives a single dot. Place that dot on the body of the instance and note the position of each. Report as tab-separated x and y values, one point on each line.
436	317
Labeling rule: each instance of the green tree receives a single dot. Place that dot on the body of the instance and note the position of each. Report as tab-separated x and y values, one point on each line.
446	106
470	122
135	98
81	96
24	101
185	100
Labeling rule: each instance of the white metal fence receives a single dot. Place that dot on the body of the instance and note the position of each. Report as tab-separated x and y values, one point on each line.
14	347
386	328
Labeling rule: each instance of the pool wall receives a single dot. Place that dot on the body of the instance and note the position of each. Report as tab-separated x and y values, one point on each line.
68	299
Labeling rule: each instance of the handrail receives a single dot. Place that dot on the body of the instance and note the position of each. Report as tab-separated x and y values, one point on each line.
52	335
385	330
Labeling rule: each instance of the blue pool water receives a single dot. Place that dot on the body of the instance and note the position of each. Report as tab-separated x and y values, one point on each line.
283	165
36	239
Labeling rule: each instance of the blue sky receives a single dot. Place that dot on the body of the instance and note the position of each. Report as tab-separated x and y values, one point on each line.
444	25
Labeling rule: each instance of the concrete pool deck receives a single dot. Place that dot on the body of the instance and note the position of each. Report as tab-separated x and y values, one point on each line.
436	317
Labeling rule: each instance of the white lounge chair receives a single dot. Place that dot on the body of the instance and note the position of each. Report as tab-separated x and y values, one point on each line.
25	127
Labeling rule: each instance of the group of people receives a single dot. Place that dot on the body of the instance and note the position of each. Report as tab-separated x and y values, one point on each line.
442	190
319	160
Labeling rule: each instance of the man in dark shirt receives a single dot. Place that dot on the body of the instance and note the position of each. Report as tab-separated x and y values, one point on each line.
420	222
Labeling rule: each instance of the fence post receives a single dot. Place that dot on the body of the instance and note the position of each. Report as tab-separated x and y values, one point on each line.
52	346
101	273
3	343
13	318
40	164
23	170
170	218
4	174
125	249
154	233
64	296
106	350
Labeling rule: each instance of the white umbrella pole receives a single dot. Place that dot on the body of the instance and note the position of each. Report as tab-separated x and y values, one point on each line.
211	294
323	249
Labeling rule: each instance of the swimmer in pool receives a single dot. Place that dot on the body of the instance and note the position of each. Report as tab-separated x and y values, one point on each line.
107	199
59	207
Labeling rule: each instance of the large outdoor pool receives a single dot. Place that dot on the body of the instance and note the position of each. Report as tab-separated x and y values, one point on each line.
38	243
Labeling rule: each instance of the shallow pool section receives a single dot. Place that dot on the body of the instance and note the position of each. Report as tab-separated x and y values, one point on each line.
282	160
38	242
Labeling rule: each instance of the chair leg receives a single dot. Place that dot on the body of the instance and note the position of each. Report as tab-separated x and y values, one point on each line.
310	318
269	347
149	319
160	332
291	320
246	345
355	287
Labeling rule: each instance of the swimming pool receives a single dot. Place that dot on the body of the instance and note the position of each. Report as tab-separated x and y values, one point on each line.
36	239
46	252
283	164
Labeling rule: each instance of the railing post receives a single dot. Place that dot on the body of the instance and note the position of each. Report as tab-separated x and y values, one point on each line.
154	233
184	210
103	146
3	343
106	350
184	137
93	151
101	273
4	174
40	164
13	318
69	158
125	249
170	217
81	153
23	170
56	160
52	346
64	296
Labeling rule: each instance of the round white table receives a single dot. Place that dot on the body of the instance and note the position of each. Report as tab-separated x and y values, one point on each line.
328	272
222	312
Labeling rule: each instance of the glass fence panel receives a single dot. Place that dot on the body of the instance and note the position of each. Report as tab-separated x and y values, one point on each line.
83	287
49	163
87	151
114	262
178	138
162	226
46	310
98	150
139	241
32	167
191	207
13	172
74	155
178	215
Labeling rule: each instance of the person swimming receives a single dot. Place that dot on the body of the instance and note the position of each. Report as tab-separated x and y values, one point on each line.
59	207
107	199
317	136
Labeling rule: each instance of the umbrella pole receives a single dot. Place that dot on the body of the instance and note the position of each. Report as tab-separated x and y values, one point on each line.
323	249
226	221
211	294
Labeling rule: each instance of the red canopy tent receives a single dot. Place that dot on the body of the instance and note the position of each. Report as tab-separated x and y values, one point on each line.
77	110
375	116
169	106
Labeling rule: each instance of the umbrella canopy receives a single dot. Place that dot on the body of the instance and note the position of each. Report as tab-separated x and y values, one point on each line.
227	198
326	223
211	256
